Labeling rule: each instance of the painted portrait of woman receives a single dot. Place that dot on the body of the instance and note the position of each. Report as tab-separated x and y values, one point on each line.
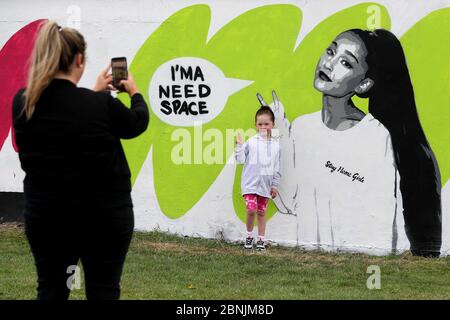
357	180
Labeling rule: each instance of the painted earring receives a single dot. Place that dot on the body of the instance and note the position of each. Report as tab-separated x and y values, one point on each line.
363	87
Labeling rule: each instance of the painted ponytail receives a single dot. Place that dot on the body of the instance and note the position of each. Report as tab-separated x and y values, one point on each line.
392	102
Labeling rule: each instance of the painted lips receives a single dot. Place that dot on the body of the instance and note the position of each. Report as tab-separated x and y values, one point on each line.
14	57
324	77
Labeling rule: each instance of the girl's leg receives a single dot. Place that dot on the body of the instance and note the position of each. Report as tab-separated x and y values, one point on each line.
250	221
250	238
261	224
261	214
251	203
260	242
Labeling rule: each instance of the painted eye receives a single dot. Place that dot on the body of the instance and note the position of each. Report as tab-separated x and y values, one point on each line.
346	64
330	52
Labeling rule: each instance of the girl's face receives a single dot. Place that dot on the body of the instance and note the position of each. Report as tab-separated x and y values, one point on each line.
342	67
264	123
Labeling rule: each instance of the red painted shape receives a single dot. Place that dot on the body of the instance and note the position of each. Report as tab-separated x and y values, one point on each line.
14	62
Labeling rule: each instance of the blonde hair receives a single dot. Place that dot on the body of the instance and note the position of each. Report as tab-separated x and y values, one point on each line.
54	51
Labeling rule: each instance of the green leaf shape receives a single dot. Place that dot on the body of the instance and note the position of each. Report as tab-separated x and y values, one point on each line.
183	34
427	48
245	48
293	77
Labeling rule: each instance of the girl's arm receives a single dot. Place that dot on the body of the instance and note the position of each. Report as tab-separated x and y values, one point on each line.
241	151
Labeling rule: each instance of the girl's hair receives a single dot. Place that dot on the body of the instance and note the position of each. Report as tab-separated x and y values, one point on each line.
265	110
54	51
391	101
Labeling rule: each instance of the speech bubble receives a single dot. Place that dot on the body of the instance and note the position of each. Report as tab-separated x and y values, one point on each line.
189	91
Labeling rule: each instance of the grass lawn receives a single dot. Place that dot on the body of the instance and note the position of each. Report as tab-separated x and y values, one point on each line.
162	266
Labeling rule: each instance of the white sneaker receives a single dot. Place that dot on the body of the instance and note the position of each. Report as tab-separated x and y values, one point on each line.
260	245
249	243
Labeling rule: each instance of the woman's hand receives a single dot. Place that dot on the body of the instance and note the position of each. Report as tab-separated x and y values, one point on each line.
104	80
273	192
129	85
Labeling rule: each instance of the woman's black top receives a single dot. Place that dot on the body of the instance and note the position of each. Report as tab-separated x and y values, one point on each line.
70	149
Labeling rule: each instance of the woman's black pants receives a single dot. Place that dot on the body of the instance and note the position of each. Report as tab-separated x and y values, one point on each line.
61	237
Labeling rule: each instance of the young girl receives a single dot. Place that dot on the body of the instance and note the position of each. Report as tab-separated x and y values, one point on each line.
261	156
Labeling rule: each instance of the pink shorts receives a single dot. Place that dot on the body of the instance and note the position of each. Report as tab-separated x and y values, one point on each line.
255	202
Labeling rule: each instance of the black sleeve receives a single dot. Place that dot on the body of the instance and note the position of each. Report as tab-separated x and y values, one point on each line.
128	123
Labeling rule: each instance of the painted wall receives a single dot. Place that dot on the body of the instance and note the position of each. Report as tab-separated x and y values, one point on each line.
184	177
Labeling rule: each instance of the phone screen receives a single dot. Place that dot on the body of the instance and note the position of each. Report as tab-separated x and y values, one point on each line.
119	71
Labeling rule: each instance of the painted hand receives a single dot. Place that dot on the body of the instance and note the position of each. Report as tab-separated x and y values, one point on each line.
273	192
281	123
238	139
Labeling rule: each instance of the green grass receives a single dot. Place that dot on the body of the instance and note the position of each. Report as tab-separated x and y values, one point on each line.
162	266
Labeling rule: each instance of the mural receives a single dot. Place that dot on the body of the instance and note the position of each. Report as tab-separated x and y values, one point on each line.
202	88
345	168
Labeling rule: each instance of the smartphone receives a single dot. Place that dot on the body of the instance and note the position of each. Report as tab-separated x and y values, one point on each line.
119	71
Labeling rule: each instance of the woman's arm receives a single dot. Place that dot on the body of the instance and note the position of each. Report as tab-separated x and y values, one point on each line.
128	123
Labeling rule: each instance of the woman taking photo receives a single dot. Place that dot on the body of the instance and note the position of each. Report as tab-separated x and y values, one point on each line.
354	172
77	184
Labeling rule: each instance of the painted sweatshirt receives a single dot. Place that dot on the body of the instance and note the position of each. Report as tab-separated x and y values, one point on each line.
261	158
344	186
